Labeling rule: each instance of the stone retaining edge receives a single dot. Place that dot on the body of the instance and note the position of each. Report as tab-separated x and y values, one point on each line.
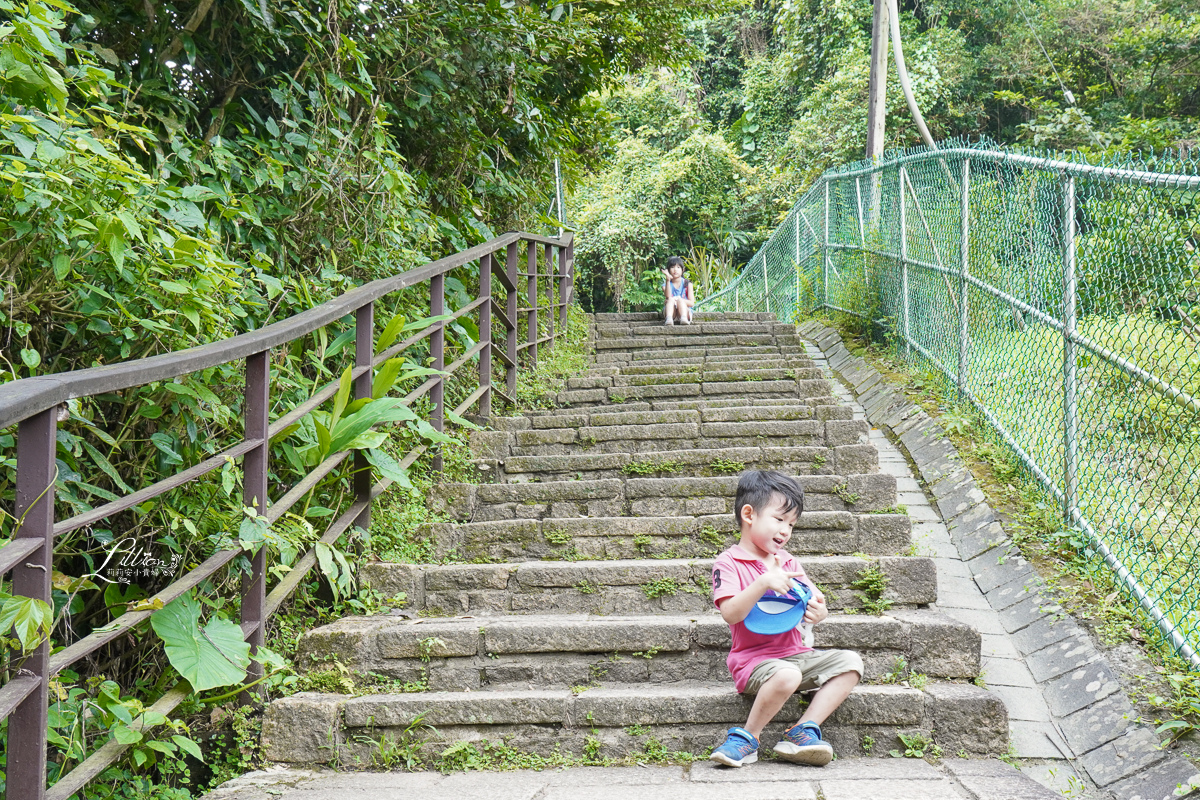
1088	693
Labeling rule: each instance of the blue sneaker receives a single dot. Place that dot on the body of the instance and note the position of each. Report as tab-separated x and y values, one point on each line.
741	747
802	744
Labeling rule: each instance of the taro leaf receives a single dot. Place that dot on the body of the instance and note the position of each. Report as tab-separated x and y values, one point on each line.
457	420
208	658
427	431
388	467
386	409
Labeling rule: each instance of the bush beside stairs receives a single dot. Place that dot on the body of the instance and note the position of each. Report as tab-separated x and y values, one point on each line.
583	623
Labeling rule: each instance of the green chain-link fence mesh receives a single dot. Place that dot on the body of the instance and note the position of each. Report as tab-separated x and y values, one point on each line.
1061	298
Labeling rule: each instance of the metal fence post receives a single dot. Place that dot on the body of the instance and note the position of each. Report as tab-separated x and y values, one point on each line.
254	495
437	349
484	408
796	258
766	285
1070	411
825	251
510	310
364	354
34	506
901	177
565	262
531	324
964	254
551	286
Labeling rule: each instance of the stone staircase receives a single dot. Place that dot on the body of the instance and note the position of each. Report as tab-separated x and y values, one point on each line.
581	620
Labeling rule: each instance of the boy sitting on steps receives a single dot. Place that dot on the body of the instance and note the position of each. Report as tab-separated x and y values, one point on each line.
773	667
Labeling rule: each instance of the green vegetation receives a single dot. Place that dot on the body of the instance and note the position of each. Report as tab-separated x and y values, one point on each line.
661	587
706	156
872	583
727	465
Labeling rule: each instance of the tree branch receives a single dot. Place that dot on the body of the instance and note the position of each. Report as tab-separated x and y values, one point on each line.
193	23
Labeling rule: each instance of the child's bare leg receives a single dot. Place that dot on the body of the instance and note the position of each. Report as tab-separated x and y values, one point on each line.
772	696
827	698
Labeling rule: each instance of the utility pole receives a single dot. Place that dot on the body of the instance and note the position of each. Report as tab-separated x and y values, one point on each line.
877	103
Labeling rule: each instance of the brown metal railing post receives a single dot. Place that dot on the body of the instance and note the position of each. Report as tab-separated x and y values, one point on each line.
531	325
26	766
364	352
437	349
510	309
484	408
551	284
254	495
564	283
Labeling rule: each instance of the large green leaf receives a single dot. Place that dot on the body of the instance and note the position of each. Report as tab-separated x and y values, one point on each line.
386	409
29	618
207	658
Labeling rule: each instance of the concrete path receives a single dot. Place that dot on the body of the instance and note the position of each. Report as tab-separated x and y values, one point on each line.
851	779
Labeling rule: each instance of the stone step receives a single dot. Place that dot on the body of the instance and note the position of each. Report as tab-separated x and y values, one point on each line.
708	341
694	374
616	355
638	438
723	328
621	416
643	586
564	650
851	459
630	317
312	728
669	367
659	497
598	537
800	389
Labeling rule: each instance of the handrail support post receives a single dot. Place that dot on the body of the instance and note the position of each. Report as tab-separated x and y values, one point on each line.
364	352
907	331
26	767
254	495
484	407
437	350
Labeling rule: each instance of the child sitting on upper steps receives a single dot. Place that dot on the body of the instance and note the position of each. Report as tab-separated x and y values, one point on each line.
773	667
677	293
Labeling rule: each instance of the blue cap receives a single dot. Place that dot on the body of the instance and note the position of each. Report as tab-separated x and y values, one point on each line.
777	614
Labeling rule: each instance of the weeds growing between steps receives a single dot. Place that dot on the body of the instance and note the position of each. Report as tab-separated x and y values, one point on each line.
1162	687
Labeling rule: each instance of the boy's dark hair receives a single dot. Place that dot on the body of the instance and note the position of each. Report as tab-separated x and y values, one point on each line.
756	487
674	261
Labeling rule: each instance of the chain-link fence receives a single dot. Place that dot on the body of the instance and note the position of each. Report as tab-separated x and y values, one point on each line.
1060	297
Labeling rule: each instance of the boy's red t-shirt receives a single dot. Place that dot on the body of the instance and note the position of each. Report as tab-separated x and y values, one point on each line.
734	570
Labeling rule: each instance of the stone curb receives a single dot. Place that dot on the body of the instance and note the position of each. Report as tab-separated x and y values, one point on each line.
1089	709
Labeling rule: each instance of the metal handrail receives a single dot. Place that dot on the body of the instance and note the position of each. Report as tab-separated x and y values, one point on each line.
33	405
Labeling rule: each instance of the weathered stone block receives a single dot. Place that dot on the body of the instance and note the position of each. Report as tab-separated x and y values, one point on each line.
1129	754
302	729
590	635
854	459
529	707
883	534
454	500
434	638
873	492
467	576
967	718
1098	723
881	705
489	444
941	646
840	432
393	579
1080	688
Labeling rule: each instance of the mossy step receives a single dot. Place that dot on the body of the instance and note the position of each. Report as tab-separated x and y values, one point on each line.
723	328
699	433
563	650
851	459
638	496
707	341
629	317
637	586
623	537
799	389
313	728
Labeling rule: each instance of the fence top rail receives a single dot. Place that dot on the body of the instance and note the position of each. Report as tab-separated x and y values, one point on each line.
1171	180
23	398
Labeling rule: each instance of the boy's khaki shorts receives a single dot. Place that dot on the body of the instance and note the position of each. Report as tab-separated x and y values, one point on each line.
816	667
